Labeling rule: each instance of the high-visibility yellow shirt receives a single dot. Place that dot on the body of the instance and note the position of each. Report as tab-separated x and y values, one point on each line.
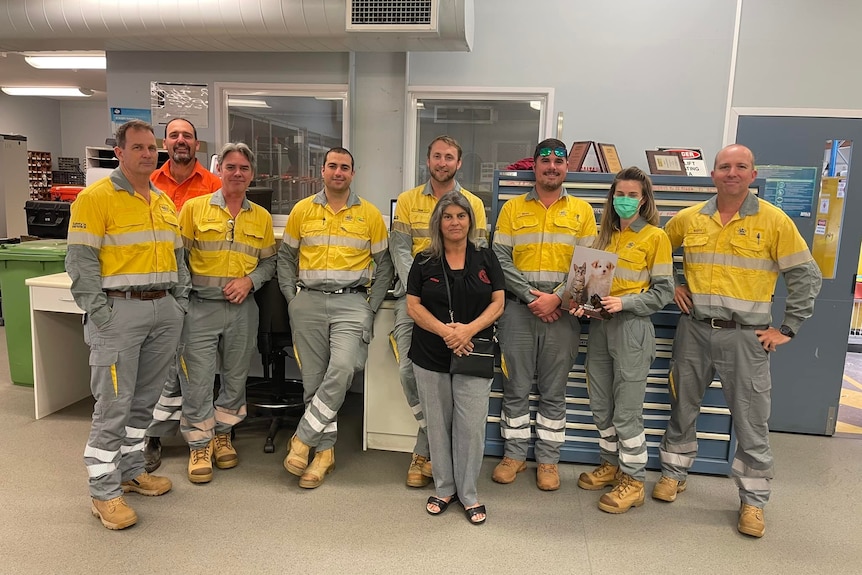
643	278
199	183
410	233
135	239
222	247
732	269
534	244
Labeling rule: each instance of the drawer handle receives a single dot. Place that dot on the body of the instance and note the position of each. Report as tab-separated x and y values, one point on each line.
66	299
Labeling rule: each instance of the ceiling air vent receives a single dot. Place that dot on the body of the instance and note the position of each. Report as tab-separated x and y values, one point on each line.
464	115
392	15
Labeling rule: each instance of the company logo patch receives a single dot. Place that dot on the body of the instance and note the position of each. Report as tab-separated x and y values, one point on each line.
79	225
483	276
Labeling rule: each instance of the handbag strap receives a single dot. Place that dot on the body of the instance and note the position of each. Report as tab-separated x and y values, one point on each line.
448	291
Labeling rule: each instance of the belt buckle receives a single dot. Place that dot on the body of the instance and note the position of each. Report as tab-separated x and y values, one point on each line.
712	323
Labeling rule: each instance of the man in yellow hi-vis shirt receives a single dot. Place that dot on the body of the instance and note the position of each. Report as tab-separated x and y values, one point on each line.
334	242
410	235
734	246
128	274
231	252
534	241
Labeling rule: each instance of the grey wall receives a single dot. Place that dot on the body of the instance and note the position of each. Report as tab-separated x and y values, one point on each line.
636	74
36	118
82	124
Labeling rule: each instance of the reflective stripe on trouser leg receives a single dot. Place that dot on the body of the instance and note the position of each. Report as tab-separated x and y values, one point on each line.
331	333
457	411
169	407
197	360
129	360
557	348
518	345
238	343
400	339
691	372
743	366
600	379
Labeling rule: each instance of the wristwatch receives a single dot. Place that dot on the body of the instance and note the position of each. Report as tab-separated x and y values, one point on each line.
786	331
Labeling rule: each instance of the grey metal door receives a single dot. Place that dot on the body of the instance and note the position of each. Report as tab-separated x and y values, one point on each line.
807	372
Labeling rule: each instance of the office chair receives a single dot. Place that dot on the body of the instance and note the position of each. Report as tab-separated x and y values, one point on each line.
278	400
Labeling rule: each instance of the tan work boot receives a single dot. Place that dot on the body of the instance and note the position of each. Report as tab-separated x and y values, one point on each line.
667	488
201	465
297	456
147	484
548	477
322	464
415	478
751	520
427	471
507	469
628	493
600	477
225	454
114	513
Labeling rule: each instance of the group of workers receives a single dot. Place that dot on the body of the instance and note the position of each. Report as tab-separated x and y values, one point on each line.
177	253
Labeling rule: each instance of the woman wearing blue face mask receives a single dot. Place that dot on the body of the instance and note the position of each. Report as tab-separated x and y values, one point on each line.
621	349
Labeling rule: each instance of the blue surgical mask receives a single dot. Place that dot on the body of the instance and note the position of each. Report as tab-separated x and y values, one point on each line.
625	206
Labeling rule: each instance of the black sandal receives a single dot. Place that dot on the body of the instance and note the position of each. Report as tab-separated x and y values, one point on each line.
441	504
472	512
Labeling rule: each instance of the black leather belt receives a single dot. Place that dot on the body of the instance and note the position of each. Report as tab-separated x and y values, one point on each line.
729	324
142	295
340	291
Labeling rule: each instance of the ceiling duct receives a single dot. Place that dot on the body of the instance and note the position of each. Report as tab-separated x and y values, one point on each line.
237	25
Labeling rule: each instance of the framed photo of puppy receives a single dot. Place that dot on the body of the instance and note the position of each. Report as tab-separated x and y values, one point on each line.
590	277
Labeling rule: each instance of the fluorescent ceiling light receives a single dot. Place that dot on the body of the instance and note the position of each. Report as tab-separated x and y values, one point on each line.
246	103
47	91
66	60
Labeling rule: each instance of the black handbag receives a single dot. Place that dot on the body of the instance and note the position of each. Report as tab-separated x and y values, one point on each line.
480	361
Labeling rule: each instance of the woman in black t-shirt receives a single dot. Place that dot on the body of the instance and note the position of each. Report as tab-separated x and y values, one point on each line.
455	406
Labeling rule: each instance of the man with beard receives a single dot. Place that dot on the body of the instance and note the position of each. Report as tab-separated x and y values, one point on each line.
182	178
410	236
334	242
534	239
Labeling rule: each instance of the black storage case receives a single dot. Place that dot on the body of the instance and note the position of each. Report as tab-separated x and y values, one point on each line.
48	220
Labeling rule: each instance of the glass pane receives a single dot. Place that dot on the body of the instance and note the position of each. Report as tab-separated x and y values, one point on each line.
289	135
492	135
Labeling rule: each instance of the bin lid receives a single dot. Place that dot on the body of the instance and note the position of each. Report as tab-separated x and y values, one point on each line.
38	250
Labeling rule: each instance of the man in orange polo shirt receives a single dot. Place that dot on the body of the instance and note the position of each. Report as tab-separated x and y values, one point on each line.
182	178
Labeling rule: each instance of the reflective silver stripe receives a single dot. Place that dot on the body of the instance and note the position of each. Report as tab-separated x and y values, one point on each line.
225	246
100	454
230	417
417	409
331	428
586	241
731	303
741	468
99	469
290	241
640	458
520	421
323	409
608	432
550	423
793	260
503	239
519	433
142	237
345	275
730	260
171	401
140	281
124	449
162	415
631	275
752	484
380	246
662	270
134	432
422	423
547	435
676	459
313	421
607	445
634	441
83	238
544	276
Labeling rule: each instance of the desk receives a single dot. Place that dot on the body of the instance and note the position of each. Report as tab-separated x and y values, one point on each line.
388	421
61	370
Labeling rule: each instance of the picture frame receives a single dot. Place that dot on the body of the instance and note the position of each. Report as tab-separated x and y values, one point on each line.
666	163
577	154
609	158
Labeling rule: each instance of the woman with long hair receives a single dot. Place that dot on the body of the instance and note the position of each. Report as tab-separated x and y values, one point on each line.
621	349
455	292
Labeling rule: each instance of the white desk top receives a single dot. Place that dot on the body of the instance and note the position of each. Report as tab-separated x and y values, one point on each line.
60	280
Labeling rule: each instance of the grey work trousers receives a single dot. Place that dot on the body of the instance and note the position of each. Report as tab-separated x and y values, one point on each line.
215	332
331	333
129	359
169	407
619	354
700	351
456	409
545	352
400	339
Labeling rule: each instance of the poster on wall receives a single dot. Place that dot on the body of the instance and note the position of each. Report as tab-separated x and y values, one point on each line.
170	100
120	116
695	165
790	188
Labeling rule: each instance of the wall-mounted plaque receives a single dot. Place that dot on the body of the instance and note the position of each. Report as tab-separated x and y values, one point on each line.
666	163
609	158
577	154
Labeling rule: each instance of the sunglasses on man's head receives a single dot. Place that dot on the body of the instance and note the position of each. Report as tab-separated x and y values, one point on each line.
559	152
